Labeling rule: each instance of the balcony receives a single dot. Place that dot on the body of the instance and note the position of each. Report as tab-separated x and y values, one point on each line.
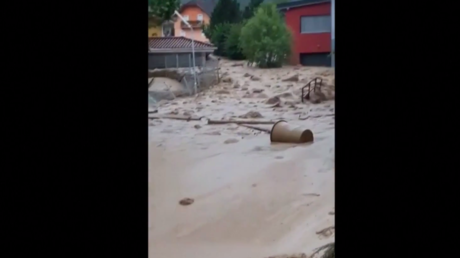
194	24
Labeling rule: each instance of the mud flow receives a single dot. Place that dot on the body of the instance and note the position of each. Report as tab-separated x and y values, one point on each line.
224	190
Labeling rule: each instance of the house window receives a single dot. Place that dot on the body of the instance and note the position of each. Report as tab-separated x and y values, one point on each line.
200	17
185	17
315	24
182	33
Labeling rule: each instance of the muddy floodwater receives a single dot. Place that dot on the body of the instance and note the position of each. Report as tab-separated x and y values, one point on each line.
251	198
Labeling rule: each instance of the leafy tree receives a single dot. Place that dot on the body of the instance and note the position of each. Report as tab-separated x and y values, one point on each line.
161	10
219	37
226	11
232	44
279	1
265	39
206	28
250	8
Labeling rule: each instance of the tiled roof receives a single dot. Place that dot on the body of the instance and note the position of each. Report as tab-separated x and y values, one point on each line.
177	43
206	5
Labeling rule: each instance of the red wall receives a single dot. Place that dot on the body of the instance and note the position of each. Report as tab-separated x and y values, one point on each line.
307	43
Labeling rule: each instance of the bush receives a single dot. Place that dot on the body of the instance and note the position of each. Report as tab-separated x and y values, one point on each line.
232	44
219	36
265	39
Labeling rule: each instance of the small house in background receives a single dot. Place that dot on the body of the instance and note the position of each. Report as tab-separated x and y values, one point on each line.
311	25
176	52
166	29
197	13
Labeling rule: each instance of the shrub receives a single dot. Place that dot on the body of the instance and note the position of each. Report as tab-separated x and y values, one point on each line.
265	39
232	44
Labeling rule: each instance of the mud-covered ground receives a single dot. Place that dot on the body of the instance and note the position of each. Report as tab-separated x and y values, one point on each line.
251	198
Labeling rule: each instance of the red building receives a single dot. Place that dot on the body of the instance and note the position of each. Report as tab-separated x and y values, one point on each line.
310	22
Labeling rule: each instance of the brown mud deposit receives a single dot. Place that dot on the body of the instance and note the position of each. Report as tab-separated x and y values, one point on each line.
252	199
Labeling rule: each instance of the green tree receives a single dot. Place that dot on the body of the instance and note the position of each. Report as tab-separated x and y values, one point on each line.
265	39
250	8
232	44
206	28
278	1
226	11
219	37
161	10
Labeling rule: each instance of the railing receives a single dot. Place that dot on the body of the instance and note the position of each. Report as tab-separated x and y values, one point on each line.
207	76
317	83
194	24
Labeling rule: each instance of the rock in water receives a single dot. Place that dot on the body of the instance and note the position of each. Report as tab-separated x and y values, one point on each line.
186	201
222	92
227	79
231	141
261	96
291	78
317	97
251	114
285	95
273	100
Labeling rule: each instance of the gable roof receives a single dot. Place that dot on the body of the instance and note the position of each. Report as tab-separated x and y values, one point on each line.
177	44
300	3
206	5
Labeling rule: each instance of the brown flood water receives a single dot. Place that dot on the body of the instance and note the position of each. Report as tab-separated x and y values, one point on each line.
252	199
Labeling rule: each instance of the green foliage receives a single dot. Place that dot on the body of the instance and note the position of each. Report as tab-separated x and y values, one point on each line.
265	39
232	44
250	8
206	28
226	11
161	10
219	36
279	1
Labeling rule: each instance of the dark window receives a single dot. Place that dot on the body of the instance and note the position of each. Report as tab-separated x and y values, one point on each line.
315	59
315	24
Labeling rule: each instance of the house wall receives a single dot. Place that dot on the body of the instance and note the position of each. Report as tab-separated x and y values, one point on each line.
307	43
155	31
192	12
